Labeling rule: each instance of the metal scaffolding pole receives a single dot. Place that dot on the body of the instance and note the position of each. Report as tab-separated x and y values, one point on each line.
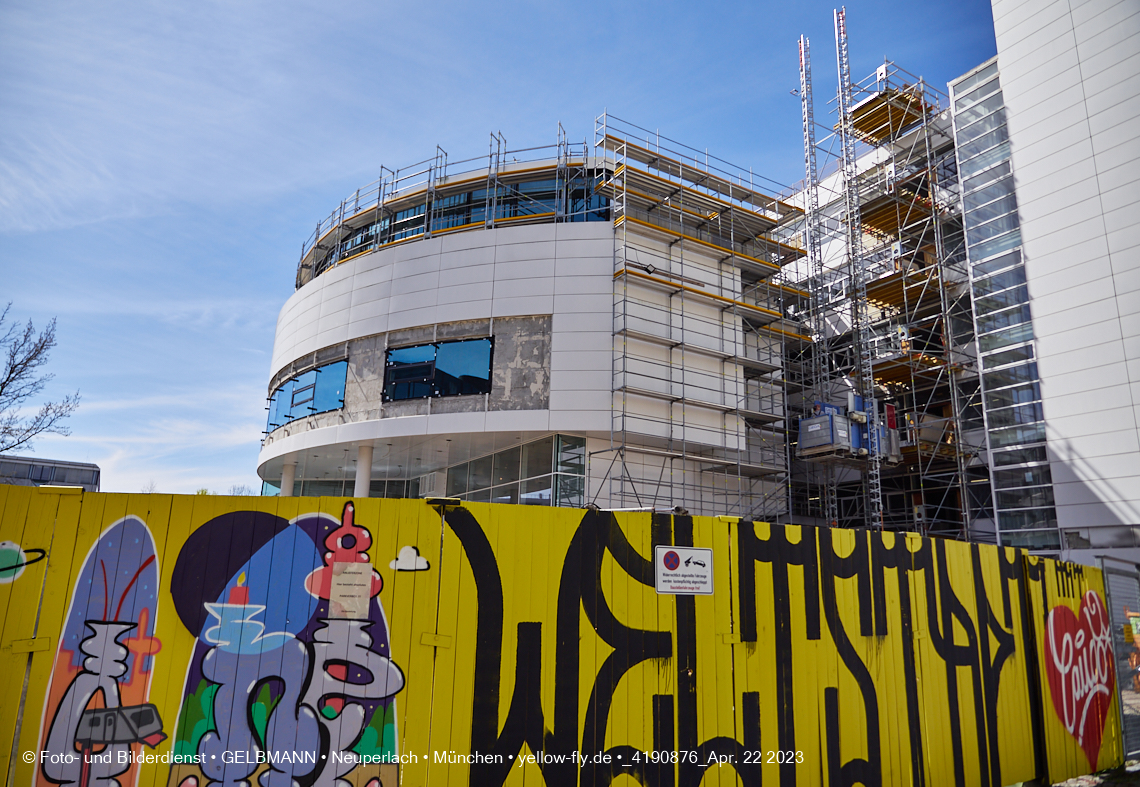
859	311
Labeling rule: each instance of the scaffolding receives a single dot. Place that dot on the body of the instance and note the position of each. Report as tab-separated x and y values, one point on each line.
890	306
704	322
436	197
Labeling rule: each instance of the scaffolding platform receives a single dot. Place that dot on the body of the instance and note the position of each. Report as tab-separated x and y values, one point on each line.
885	114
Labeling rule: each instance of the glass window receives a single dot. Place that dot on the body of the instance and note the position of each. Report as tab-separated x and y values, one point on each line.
965	100
1041	539
988	212
1019	456
997	263
42	474
538	458
1014	435
282	406
396	489
976	79
1012	416
330	387
1025	498
1015	355
408	373
995	133
981	170
1021	394
571	455
1003	319
993	228
457	480
1002	281
479	474
984	107
1014	335
304	388
996	246
1014	375
506	493
537	492
325	488
441	369
1022	476
506	466
571	490
988	176
316	391
1002	300
481	496
994	191
463	368
1027	520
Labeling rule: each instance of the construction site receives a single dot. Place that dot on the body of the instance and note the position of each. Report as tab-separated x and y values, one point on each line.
890	432
799	354
845	349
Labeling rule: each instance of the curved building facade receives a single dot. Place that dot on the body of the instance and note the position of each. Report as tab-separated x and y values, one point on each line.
597	324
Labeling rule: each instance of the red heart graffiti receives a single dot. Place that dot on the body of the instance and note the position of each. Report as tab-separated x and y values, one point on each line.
1078	662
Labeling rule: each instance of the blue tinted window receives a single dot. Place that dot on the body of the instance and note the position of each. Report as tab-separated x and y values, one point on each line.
283	400
316	391
463	367
442	369
409	372
330	387
273	421
304	389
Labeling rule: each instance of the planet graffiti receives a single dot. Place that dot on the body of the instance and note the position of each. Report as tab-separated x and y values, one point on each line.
14	560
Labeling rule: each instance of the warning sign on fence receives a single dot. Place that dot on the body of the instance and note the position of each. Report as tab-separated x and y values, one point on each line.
683	571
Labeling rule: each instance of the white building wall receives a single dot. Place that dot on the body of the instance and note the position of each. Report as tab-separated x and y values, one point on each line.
562	270
1070	71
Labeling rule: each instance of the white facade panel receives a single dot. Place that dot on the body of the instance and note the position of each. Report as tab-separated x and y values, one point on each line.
1082	354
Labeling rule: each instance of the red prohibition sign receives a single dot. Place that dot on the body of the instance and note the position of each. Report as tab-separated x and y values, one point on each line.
672	560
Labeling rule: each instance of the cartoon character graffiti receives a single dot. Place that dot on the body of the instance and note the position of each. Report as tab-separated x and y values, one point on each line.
98	666
289	669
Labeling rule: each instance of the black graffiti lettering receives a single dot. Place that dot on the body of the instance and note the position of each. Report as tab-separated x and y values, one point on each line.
987	625
832	567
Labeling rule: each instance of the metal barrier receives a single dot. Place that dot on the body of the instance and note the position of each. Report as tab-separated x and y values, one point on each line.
1122	584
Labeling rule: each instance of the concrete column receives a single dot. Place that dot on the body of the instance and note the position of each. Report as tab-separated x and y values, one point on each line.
288	476
363	471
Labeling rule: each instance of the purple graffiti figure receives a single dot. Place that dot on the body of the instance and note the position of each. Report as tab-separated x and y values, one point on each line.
242	660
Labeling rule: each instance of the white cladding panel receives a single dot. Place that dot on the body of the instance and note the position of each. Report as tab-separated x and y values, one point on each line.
1070	74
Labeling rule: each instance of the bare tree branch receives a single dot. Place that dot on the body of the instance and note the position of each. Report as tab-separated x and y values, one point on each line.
24	352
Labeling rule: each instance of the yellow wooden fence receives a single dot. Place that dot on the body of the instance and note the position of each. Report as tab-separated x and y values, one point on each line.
187	640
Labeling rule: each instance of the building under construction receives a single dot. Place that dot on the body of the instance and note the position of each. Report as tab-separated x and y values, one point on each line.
890	430
632	323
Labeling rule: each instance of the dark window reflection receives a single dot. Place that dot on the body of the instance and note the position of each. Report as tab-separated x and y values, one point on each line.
440	369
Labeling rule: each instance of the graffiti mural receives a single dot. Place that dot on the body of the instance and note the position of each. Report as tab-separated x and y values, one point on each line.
290	678
186	642
104	661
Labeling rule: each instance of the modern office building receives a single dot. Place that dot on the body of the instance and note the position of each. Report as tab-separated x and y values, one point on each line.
938	330
32	471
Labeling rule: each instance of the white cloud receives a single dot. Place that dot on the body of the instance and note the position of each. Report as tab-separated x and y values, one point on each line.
409	560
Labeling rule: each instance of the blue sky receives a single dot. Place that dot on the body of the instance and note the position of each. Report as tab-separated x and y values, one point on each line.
161	163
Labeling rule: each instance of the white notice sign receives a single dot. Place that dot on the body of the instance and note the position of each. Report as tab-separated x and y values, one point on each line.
683	571
349	591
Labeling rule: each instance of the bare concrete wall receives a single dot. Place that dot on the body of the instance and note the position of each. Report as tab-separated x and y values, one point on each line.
520	372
